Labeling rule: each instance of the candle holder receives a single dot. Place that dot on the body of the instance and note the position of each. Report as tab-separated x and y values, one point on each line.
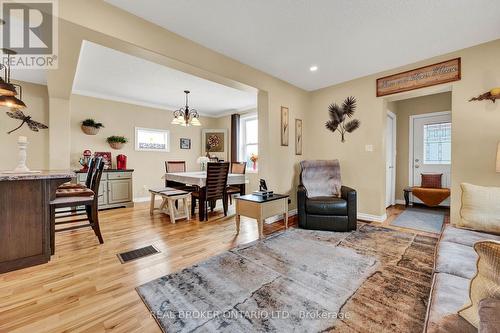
22	144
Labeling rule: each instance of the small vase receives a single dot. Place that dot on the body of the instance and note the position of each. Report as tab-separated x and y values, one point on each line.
254	165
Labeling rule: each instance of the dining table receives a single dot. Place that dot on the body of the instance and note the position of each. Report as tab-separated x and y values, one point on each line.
198	179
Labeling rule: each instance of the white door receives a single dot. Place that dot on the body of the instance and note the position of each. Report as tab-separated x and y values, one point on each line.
431	148
390	174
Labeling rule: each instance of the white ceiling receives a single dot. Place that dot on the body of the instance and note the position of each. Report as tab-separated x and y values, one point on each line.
106	73
346	39
38	76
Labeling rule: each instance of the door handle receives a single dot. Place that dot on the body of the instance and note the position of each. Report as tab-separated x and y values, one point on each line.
417	166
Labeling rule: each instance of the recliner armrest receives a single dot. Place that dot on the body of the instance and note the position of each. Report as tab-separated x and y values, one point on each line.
301	205
350	196
347	193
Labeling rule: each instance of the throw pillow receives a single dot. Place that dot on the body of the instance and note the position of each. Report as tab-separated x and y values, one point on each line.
431	180
489	315
480	208
486	282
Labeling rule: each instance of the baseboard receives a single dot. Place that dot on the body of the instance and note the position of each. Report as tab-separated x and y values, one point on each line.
400	202
372	218
145	199
279	217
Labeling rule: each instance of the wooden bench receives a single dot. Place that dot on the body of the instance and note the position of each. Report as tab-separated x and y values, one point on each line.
169	197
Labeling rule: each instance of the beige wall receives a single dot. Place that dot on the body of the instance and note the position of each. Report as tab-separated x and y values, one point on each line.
475	133
121	119
475	125
36	98
117	29
403	110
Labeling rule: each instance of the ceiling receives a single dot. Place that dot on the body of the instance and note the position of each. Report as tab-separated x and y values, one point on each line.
346	39
106	73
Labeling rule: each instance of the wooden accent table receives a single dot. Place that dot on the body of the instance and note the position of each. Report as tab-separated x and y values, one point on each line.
260	208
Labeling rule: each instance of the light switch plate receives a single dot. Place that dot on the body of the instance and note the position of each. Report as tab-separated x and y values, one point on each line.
369	148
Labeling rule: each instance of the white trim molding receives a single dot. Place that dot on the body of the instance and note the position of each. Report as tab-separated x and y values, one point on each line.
372	218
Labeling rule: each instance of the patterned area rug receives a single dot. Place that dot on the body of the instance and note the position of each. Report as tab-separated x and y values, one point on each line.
370	280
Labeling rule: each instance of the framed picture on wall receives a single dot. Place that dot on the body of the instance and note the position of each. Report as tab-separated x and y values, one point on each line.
214	142
285	128
298	136
185	143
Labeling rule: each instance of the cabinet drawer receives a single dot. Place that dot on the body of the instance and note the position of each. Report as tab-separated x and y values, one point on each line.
120	175
82	177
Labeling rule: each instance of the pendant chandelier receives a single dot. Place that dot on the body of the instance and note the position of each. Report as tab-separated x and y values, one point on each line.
185	116
8	90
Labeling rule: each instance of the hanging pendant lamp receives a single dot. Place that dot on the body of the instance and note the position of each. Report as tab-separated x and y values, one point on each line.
7	89
186	116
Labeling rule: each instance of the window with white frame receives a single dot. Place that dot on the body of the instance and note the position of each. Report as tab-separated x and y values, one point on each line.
437	143
249	141
149	139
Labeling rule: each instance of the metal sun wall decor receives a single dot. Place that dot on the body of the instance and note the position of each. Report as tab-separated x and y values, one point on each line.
339	116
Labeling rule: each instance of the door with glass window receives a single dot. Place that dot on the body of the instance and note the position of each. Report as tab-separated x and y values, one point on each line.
431	148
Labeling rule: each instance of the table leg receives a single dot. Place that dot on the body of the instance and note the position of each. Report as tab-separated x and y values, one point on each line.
260	225
238	224
171	210
201	206
186	208
407	197
286	213
242	189
152	204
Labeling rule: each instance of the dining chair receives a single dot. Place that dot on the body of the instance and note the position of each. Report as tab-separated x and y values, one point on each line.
87	198
214	189
76	186
237	168
177	166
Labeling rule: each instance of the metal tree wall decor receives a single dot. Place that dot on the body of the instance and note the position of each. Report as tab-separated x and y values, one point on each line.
339	116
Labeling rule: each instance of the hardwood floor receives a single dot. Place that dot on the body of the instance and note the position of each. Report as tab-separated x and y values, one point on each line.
85	288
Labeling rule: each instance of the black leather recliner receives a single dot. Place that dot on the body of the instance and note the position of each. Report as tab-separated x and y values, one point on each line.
322	209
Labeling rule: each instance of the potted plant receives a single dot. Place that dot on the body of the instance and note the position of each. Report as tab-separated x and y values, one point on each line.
90	127
116	141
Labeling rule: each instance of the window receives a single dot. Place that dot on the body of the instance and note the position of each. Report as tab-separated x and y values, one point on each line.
437	143
148	139
249	141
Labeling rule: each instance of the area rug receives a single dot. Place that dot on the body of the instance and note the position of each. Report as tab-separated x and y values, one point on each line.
370	280
423	219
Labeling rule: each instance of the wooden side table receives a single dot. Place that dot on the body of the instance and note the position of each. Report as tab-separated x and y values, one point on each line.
260	208
407	191
169	197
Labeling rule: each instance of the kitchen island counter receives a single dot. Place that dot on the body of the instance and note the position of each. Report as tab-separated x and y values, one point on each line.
25	217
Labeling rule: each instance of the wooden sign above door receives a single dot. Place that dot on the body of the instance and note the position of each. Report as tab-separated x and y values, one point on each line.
446	71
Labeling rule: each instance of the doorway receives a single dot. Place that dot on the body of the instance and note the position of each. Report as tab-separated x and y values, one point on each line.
390	165
430	148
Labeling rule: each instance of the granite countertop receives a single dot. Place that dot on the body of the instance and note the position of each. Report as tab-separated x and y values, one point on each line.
108	170
46	174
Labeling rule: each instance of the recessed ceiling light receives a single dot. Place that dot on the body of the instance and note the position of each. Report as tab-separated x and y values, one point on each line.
313	68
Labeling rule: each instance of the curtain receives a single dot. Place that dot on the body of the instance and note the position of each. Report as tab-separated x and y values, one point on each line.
235	136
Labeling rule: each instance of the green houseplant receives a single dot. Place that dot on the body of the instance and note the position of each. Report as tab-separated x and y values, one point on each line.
91	127
116	141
